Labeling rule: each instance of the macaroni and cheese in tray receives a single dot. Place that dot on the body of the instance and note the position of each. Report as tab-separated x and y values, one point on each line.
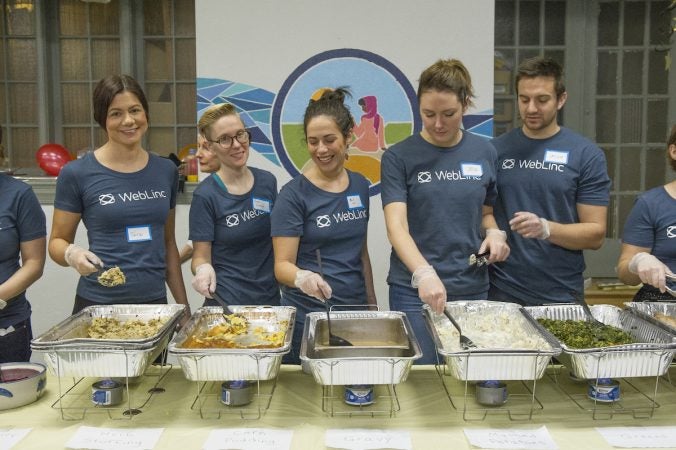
247	345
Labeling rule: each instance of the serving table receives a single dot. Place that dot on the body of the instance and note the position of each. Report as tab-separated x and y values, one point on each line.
425	413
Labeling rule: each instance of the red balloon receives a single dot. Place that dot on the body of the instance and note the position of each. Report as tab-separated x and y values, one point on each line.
52	157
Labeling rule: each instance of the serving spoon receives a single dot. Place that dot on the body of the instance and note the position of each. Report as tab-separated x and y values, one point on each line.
226	308
465	342
334	341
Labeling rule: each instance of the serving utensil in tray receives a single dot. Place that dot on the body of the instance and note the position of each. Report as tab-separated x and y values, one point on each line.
464	340
69	352
382	352
661	314
650	356
218	364
495	362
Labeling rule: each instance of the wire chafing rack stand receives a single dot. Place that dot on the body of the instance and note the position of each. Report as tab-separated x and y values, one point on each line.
75	399
606	410
519	406
384	394
208	394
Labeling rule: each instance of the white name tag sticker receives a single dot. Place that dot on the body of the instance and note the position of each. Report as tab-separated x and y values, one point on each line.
261	204
471	170
354	201
139	234
556	156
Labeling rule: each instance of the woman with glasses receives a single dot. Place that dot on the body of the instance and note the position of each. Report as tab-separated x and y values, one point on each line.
230	218
322	214
126	198
648	253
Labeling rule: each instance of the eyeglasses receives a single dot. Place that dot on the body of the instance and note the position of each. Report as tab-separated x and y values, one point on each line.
225	141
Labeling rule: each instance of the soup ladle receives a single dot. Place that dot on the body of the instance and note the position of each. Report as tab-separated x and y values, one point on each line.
334	341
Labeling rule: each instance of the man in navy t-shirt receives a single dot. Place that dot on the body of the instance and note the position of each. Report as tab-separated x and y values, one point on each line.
553	193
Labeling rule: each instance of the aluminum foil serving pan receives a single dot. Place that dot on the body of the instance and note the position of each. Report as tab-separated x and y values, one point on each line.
69	352
384	347
650	356
662	314
510	344
218	364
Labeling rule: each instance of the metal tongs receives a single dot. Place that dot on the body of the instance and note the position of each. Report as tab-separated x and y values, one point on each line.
670	280
479	259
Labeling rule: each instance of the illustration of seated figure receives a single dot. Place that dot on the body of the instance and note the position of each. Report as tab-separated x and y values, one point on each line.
369	132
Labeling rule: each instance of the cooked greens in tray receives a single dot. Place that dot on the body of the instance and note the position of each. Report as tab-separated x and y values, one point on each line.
583	334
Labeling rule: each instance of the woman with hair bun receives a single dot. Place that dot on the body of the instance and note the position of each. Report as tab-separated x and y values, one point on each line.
325	208
438	191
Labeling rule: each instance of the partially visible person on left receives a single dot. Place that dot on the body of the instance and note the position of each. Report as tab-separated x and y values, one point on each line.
22	260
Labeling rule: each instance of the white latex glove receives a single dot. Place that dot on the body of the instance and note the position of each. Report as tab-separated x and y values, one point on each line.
313	284
430	288
649	269
2	303
529	225
204	281
84	261
496	242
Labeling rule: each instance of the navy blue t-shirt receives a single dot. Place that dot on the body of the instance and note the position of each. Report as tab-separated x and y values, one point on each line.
335	223
547	177
238	227
21	220
124	214
445	189
652	224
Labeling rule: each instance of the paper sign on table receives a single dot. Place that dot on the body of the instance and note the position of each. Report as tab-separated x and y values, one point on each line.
365	439
9	438
249	439
639	437
115	438
537	439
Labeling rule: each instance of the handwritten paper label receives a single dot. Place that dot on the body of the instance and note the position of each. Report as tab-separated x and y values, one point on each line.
639	437
538	439
249	439
115	438
9	438
364	439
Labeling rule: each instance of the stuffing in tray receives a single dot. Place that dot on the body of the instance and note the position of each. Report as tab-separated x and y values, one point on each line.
111	328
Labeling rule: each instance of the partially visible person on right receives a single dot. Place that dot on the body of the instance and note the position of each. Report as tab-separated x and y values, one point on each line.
648	253
553	194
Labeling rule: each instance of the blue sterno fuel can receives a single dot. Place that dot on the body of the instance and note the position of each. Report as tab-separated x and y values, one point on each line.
236	393
107	392
604	390
359	394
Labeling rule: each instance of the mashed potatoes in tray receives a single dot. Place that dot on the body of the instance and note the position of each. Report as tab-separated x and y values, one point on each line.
491	330
111	328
